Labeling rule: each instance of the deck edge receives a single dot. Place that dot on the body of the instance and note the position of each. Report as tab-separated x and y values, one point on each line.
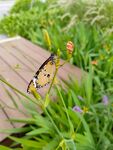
10	39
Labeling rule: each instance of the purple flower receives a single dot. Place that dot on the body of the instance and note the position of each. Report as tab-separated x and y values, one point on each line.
105	100
80	97
78	109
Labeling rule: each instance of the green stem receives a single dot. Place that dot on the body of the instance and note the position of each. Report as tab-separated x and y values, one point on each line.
45	108
56	70
53	123
78	125
18	91
66	111
65	62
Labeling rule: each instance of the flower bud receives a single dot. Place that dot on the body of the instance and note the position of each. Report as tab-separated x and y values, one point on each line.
105	100
94	62
47	39
70	47
77	109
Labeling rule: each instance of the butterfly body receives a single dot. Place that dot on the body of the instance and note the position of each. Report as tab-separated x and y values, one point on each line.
44	74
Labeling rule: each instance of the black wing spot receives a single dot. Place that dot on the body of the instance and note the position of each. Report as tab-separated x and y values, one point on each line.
51	62
48	75
35	76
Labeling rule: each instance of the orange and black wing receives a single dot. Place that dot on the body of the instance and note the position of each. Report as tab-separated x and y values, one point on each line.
44	74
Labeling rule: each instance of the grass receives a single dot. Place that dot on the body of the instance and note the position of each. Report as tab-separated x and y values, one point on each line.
89	26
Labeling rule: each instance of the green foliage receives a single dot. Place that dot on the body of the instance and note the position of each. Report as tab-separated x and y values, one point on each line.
44	131
97	13
5	148
59	126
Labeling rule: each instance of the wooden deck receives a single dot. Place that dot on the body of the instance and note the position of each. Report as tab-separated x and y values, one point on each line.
19	60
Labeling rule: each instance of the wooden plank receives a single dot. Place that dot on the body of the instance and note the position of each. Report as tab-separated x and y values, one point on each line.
36	54
9	39
14	78
4	124
9	103
40	55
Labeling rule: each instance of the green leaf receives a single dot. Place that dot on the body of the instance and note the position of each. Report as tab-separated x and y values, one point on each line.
84	142
39	131
52	144
15	130
29	143
75	99
87	131
73	116
88	86
4	148
47	100
71	144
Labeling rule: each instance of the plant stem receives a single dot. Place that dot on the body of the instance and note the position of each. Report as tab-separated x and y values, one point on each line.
53	123
78	125
64	62
45	109
18	91
66	111
56	70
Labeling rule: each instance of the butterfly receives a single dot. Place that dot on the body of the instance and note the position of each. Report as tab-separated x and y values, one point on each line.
44	75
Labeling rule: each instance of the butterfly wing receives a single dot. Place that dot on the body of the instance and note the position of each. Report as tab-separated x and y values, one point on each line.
44	75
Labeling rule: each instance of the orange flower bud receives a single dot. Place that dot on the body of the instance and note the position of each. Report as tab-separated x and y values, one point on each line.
70	47
94	62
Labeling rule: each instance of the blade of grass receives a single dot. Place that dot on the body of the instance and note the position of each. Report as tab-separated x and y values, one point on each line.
18	91
70	123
